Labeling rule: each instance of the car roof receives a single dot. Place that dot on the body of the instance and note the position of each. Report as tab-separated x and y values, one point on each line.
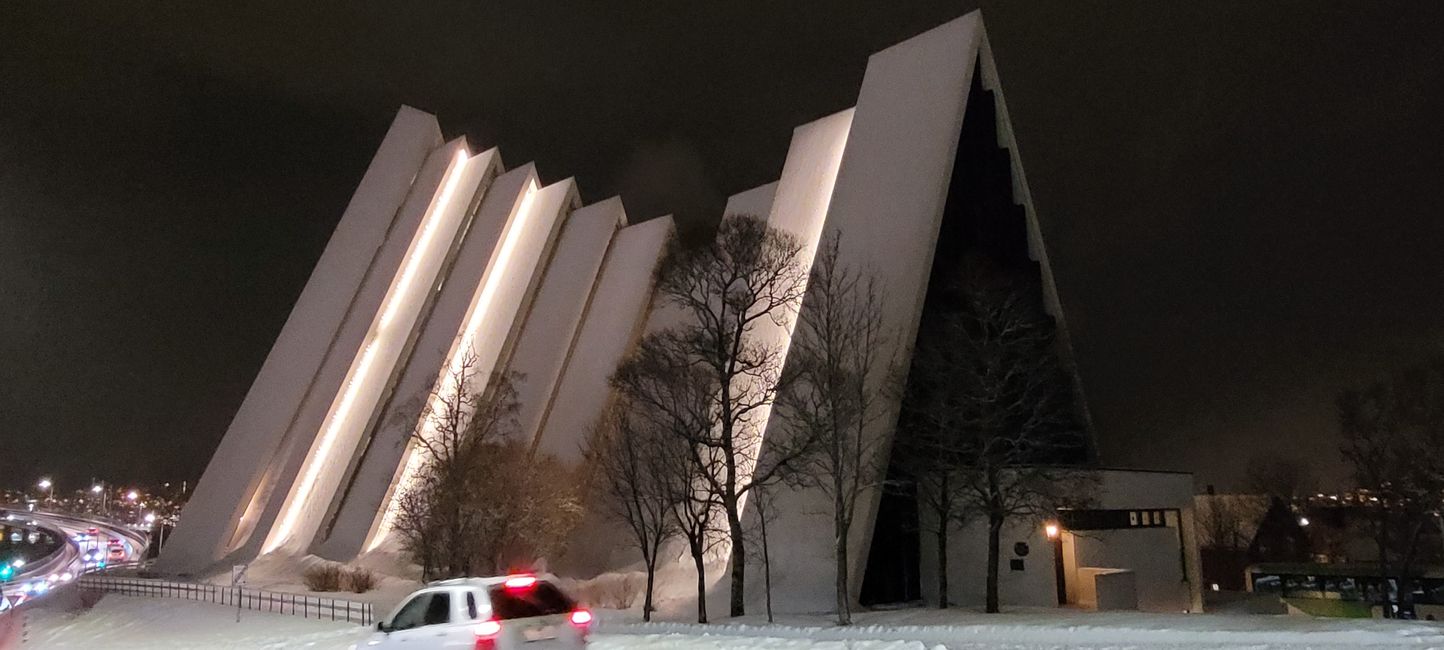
477	582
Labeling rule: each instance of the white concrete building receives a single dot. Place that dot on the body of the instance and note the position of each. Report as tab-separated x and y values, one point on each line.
445	255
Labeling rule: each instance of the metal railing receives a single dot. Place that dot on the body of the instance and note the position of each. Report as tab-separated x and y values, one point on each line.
334	609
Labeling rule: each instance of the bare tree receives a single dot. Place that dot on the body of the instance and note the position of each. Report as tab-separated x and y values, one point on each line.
1274	475
459	416
479	501
998	405
762	502
829	396
1225	521
731	288
1393	431
666	402
642	486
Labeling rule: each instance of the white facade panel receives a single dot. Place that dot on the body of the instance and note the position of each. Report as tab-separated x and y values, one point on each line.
240	462
887	205
514	236
756	201
357	505
609	330
548	339
256	522
365	353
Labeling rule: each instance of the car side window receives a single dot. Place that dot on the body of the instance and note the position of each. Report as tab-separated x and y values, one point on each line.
438	612
471	612
412	614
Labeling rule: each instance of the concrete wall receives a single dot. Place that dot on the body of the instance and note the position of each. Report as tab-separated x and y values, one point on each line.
364	355
1165	559
1033	586
246	452
523	241
887	204
1162	560
1108	589
798	205
549	338
359	506
610	328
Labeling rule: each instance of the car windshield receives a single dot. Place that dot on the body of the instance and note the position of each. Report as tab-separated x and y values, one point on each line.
539	599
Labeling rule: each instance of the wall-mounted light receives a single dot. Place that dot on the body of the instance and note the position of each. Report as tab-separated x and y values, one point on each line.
1051	530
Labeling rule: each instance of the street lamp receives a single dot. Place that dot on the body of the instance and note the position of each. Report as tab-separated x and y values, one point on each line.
99	489
49	487
132	495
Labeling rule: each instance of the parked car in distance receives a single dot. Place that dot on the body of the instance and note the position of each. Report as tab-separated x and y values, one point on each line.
504	613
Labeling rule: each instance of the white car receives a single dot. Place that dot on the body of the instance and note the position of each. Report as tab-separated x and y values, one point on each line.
507	613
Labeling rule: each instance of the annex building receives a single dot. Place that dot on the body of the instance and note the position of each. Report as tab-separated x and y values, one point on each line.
445	254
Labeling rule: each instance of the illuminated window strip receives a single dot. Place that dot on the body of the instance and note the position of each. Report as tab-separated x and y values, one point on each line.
380	335
447	385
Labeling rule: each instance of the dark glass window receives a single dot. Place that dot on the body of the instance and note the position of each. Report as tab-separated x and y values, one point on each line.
471	606
439	611
1301	586
412	614
541	599
1266	583
1342	588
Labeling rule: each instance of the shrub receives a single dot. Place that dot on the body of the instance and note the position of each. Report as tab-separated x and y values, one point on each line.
326	577
358	580
611	591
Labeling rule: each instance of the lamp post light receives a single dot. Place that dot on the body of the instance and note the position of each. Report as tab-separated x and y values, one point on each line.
49	487
99	490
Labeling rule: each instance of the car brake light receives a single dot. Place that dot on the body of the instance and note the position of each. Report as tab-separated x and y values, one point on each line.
520	582
486	633
581	618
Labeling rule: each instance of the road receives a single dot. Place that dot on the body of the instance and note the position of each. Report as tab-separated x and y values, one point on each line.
81	552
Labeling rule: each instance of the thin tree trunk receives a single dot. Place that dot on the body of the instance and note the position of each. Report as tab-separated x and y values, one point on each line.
942	537
651	582
1382	541
739	563
697	560
766	560
995	528
844	607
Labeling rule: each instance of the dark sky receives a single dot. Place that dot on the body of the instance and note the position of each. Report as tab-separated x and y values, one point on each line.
1241	198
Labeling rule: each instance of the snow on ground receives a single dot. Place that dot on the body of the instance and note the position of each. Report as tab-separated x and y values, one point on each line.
123	622
135	622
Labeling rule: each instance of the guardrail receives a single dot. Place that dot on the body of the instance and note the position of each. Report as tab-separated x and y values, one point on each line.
334	609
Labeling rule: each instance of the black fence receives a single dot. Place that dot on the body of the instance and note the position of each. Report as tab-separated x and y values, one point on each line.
332	609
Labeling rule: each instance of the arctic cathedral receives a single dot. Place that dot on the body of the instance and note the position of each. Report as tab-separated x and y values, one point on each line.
445	256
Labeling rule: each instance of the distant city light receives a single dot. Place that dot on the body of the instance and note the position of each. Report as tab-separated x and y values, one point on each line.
44	484
150	517
1303	521
132	495
96	489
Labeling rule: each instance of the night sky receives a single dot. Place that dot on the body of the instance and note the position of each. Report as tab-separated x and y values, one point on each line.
1241	198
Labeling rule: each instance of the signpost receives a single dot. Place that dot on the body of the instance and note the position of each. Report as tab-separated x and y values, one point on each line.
238	580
